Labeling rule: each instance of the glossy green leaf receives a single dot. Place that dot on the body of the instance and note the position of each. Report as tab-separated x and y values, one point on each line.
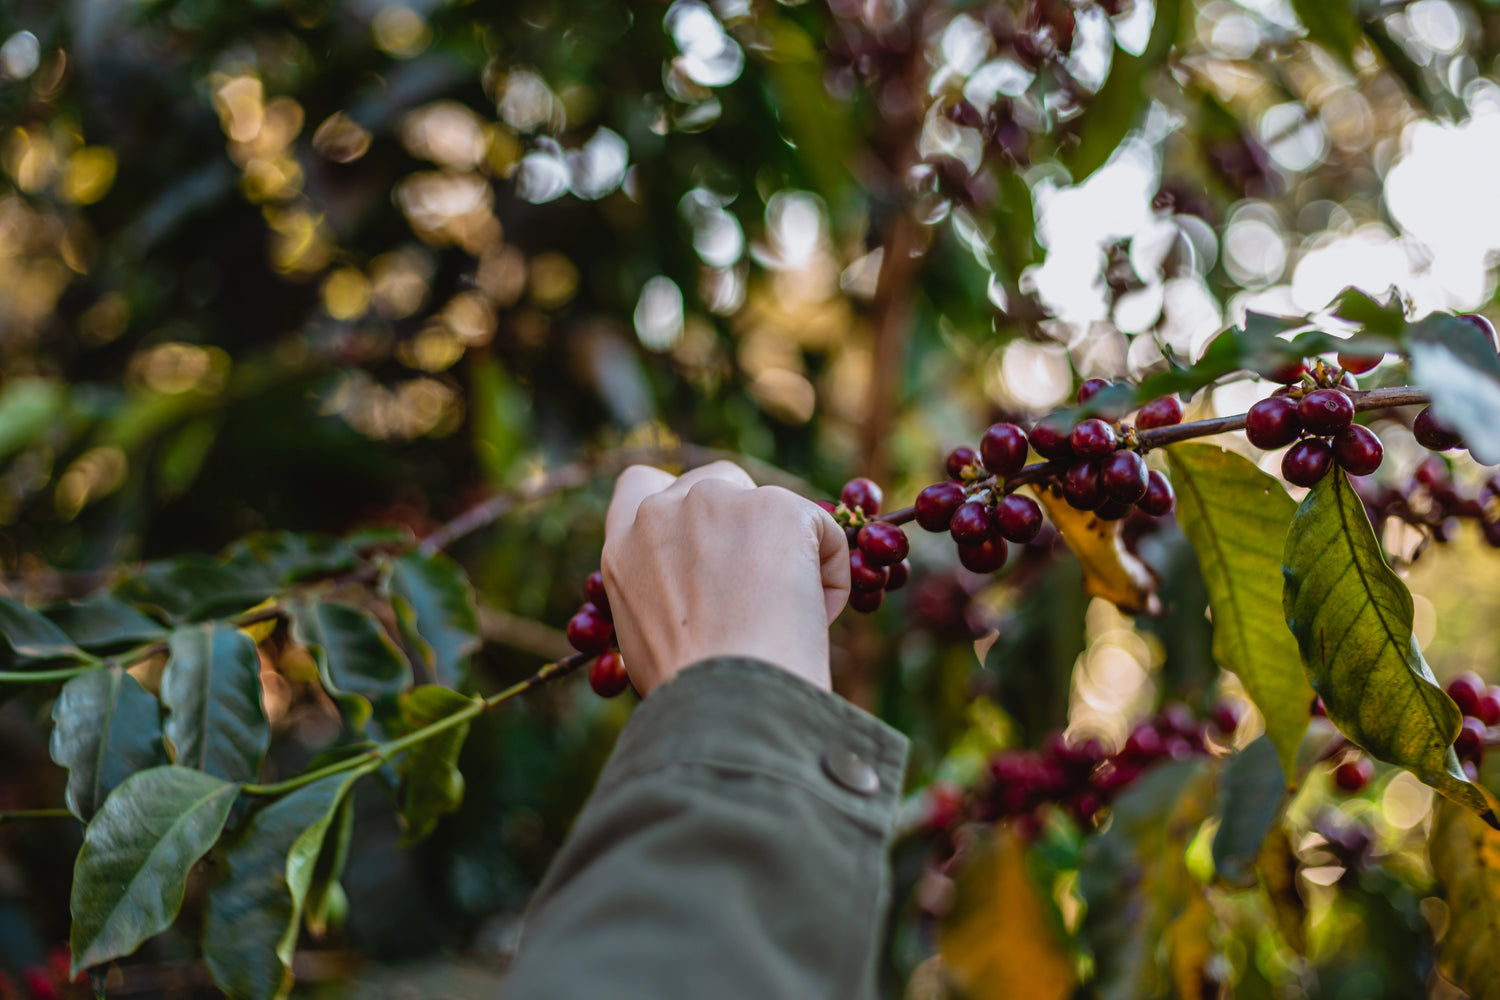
191	588
1352	618
1386	319
130	875
1236	517
31	636
103	622
431	783
357	661
435	606
1252	795
211	689
326	902
1257	346
1465	858
251	921
1332	24
283	557
106	727
1458	366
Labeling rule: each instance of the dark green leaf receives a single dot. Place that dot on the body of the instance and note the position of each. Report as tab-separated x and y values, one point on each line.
250	923
1252	794
431	783
106	727
434	604
1388	320
1352	618
283	557
1466	860
325	896
103	622
1332	24
211	689
1237	517
1457	364
356	660
1256	346
194	587
129	877
31	636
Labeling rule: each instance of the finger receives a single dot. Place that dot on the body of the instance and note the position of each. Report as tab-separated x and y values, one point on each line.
725	471
833	558
634	485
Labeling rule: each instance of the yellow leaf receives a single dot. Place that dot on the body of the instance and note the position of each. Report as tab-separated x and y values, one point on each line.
1002	941
1110	571
1190	948
1277	866
1465	856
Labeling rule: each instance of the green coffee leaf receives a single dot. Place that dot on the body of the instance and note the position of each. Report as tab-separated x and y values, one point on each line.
106	727
1332	24
431	783
1252	795
1352	618
251	921
130	875
326	902
211	689
103	622
357	661
1236	517
1457	365
434	604
192	588
1466	860
1386	319
31	636
283	557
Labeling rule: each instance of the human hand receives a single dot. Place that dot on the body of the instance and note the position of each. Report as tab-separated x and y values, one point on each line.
709	564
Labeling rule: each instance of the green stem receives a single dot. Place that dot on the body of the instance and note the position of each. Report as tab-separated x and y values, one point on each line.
42	676
20	814
386	751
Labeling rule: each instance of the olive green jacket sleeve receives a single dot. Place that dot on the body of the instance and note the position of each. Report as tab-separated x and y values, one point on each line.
734	847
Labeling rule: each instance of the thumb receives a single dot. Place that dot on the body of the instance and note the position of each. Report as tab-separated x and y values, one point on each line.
833	558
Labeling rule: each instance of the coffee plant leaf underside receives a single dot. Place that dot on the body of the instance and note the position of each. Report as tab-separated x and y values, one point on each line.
1236	518
1352	617
106	727
1465	858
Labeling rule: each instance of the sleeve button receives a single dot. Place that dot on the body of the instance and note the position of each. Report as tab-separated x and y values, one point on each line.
851	772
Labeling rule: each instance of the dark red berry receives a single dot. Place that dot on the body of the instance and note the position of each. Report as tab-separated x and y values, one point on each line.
1353	775
1432	435
864	574
1325	411
607	676
1114	776
1081	486
593	588
1175	717
1143	744
1358	450
1123	476
883	543
862	494
1163	412
899	573
1482	324
1290	372
1017	518
936	504
1466	689
1358	364
1226	717
1051	437
1091	388
1432	473
865	601
1273	423
589	631
1306	462
1093	438
1113	510
1003	449
986	557
1470	742
827	505
961	461
1317	709
1487	710
1159	498
970	524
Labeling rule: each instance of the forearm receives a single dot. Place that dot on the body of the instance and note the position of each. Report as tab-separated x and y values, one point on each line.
735	847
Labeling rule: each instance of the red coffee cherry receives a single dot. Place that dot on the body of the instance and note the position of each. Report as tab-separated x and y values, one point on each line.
1017	518
1482	324
593	587
1226	717
1124	477
1306	462
960	459
607	676
1487	709
970	524
1163	412
1113	510
1003	450
1290	372
864	574
1358	364
1358	450
883	543
589	631
862	494
827	505
1470	742
1093	438
1325	411
865	601
1160	498
1051	437
1273	423
1353	775
1433	435
1081	486
899	573
1466	689
1143	744
986	557
936	504
1090	389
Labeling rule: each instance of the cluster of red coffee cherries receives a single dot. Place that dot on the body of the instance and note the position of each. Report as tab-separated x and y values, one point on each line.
1314	415
591	631
877	549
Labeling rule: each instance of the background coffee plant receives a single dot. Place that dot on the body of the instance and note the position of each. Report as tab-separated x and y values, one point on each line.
325	325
